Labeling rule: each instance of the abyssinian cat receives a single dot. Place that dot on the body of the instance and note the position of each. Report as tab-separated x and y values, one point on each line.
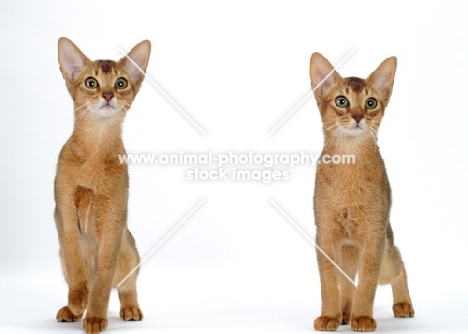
352	201
97	250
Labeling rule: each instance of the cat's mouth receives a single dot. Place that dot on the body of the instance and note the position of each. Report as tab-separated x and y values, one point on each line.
104	110
107	105
107	109
355	129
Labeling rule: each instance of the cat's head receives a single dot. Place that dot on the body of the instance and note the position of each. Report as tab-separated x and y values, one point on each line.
351	108
102	89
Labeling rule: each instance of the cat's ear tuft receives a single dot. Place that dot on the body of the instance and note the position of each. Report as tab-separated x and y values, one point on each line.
71	59
320	77
136	61
383	77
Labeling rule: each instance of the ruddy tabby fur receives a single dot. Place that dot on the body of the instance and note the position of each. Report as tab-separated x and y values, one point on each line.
352	201
97	250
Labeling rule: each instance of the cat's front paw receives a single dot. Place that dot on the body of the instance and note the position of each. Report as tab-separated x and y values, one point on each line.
363	324
131	313
77	301
403	310
94	325
324	323
66	315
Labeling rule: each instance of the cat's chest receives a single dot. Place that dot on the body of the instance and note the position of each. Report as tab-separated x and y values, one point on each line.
351	185
101	176
348	179
351	196
97	170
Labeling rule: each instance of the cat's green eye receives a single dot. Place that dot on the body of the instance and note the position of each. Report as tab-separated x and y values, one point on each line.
121	83
371	103
91	83
341	102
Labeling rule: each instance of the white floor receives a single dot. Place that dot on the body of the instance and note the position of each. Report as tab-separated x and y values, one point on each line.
31	309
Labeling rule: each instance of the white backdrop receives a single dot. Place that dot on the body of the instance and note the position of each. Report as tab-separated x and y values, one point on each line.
237	68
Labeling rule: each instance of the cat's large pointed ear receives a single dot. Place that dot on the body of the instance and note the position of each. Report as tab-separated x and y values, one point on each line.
71	59
382	78
136	61
320	77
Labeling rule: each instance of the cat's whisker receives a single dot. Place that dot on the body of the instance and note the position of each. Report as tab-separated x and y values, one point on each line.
334	137
82	106
82	113
123	108
129	104
341	135
328	142
338	136
374	135
330	138
372	129
331	127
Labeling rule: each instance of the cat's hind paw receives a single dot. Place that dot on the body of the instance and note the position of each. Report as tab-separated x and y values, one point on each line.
66	315
363	324
403	310
94	325
346	318
128	313
324	323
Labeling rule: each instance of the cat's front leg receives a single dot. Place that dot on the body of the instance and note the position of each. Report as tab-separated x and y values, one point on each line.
73	265
331	316
108	228
100	289
77	300
349	264
369	270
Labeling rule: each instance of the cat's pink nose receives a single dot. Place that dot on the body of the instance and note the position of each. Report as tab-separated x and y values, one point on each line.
107	96
357	117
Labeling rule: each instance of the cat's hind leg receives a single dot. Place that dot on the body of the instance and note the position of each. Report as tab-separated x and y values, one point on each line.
402	306
128	261
393	272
